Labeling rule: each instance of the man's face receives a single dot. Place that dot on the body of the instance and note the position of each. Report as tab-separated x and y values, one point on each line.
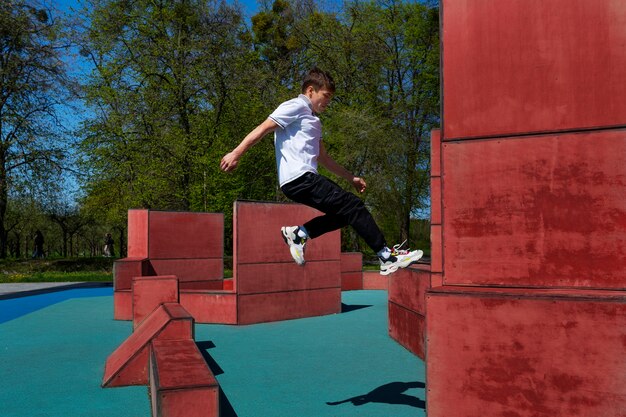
319	99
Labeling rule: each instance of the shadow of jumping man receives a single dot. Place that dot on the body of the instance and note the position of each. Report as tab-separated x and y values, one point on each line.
392	393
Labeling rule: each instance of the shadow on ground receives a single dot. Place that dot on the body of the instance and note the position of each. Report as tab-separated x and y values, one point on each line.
392	393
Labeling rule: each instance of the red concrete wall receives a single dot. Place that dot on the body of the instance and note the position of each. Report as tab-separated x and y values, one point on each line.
372	280
186	235
351	271
518	66
270	286
541	211
150	292
494	353
138	238
407	307
526	312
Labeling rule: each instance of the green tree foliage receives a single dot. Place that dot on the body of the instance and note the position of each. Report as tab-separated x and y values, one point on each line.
33	84
385	56
177	84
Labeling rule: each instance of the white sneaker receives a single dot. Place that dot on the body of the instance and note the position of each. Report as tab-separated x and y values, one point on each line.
400	259
296	243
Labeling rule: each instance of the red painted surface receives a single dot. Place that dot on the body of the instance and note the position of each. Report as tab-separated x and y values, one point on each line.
436	279
351	281
138	239
286	305
272	277
407	287
186	235
351	271
258	238
435	198
435	152
150	292
124	270
128	364
188	270
519	66
436	248
123	305
351	261
210	307
408	328
546	211
372	280
521	355
407	307
182	385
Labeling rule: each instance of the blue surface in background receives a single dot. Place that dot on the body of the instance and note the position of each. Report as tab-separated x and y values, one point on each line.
13	308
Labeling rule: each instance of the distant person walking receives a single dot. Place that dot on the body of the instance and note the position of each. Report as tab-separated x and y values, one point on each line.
108	246
38	251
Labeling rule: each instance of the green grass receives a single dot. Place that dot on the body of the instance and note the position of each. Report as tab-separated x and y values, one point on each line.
57	270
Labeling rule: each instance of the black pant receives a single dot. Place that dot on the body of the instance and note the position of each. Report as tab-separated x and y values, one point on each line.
340	208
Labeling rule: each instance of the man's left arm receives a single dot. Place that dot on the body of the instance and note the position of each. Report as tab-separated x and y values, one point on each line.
357	182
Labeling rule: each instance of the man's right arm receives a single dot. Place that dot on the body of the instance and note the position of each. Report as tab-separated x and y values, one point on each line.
230	160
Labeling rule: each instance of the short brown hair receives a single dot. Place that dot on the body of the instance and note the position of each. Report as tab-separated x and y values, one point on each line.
318	79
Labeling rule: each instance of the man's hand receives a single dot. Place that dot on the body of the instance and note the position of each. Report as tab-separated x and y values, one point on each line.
359	184
229	162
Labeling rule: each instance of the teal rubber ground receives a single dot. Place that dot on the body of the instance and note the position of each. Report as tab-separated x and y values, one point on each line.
53	359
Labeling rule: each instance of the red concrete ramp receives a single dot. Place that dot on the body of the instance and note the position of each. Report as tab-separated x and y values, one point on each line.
128	364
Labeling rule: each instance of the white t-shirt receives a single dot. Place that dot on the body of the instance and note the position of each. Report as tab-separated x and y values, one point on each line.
297	140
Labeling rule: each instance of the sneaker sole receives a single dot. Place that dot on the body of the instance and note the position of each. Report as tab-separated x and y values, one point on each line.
393	268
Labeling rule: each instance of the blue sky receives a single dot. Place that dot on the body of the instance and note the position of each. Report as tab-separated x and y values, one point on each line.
250	7
73	117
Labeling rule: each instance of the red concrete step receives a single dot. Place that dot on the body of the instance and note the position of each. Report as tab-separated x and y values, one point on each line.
128	364
503	351
181	383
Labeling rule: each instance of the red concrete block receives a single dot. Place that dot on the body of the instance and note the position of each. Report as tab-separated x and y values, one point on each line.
408	287
189	269
128	364
186	235
372	280
210	307
257	237
351	262
435	153
351	281
435	200
150	292
122	305
539	354
124	270
259	308
436	248
263	278
436	279
137	234
181	383
567	72
408	328
544	211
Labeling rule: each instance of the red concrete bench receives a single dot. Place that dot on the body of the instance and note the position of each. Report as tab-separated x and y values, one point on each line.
181	382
